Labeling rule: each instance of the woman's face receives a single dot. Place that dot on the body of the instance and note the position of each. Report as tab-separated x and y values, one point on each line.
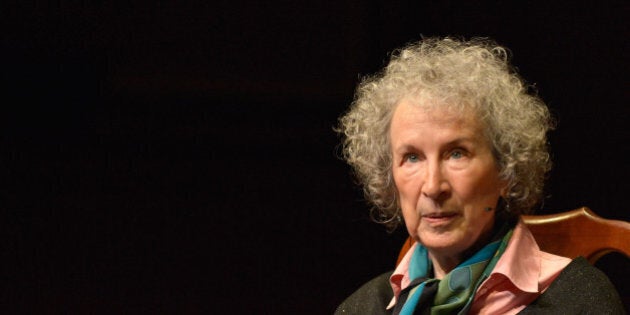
445	175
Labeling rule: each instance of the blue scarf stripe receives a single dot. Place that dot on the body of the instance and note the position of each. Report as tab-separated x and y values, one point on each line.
483	254
418	265
412	301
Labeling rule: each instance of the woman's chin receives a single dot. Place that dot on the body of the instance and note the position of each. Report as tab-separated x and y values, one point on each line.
448	242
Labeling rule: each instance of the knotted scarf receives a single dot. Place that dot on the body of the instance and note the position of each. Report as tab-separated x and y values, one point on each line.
455	292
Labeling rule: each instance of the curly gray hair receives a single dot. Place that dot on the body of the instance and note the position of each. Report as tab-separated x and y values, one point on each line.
473	74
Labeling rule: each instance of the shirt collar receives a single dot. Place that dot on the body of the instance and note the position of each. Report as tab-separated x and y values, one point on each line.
521	262
400	278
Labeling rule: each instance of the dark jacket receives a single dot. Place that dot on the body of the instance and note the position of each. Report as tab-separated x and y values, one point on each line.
579	289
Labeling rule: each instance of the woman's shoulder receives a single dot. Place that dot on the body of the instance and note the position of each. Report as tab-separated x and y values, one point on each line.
579	289
371	298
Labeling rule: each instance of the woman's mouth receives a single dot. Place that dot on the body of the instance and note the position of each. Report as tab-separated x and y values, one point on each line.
440	218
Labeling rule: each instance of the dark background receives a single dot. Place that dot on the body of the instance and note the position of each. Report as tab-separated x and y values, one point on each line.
161	157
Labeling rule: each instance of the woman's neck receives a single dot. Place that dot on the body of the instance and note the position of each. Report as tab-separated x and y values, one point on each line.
443	264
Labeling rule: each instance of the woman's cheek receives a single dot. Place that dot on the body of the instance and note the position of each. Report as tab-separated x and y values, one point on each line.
412	220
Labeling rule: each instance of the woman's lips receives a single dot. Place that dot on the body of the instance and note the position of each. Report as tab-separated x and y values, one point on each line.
442	218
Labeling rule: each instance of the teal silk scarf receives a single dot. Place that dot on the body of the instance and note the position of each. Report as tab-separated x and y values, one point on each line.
455	292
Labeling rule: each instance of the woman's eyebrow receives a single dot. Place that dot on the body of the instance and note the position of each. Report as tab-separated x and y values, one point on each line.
404	148
460	140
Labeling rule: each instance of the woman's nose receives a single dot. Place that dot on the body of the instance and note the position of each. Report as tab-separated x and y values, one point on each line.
435	184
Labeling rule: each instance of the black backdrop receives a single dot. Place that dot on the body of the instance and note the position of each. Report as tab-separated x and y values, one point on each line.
160	157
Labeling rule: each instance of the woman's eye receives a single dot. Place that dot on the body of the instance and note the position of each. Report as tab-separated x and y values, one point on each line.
413	158
457	154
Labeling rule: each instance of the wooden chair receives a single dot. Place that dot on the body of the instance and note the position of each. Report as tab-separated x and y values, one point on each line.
579	232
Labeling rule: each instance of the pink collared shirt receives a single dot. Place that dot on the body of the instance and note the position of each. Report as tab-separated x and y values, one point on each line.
519	277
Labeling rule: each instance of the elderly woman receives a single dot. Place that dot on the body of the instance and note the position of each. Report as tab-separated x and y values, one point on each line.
449	138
